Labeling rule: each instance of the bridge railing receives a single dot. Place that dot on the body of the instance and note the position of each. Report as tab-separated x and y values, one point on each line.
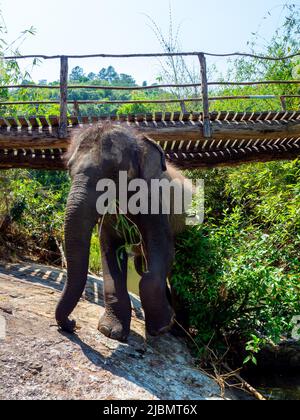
64	85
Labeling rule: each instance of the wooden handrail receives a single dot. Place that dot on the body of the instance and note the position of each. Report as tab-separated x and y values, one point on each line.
103	87
152	87
151	55
154	101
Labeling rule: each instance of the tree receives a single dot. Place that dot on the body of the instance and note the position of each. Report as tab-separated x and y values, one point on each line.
92	76
109	74
10	71
77	75
284	42
175	70
127	80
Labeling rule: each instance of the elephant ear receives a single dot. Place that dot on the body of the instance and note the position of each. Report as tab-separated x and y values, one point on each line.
152	160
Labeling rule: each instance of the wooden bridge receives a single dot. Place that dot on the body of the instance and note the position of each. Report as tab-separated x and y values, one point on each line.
190	140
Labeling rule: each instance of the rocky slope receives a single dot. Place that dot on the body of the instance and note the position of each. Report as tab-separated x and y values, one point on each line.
39	362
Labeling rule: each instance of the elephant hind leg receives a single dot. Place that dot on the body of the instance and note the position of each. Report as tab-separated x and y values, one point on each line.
115	323
181	324
159	315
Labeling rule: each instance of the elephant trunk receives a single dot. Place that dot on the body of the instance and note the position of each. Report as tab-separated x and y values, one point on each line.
81	217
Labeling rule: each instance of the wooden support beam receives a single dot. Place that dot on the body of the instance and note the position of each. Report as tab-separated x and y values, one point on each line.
3	123
123	118
149	117
29	162
168	117
74	120
176	116
204	88
63	123
158	117
37	139
233	156
186	117
85	119
95	119
184	157
178	131
34	122
44	122
140	118
12	122
222	116
196	116
24	123
54	121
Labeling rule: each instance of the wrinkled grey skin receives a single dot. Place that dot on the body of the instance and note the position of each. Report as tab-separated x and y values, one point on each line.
101	152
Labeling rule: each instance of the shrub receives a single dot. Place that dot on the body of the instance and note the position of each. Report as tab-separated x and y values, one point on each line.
240	271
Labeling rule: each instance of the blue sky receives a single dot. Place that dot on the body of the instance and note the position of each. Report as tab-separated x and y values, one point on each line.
97	26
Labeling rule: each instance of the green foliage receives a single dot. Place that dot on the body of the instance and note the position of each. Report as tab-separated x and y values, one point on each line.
36	203
240	271
105	77
253	347
95	256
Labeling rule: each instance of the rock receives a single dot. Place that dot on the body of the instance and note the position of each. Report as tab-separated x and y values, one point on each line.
39	362
7	309
282	357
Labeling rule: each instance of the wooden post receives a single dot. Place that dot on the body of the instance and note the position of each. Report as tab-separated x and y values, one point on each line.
204	87
183	107
283	103
76	109
63	123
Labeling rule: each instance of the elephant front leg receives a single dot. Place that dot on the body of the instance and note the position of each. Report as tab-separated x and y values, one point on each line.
81	217
115	323
159	315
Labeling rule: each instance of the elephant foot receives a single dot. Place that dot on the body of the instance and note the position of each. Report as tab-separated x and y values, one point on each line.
68	326
112	327
159	324
159	315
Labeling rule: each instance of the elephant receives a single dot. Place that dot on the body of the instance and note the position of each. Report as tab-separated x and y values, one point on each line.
102	151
